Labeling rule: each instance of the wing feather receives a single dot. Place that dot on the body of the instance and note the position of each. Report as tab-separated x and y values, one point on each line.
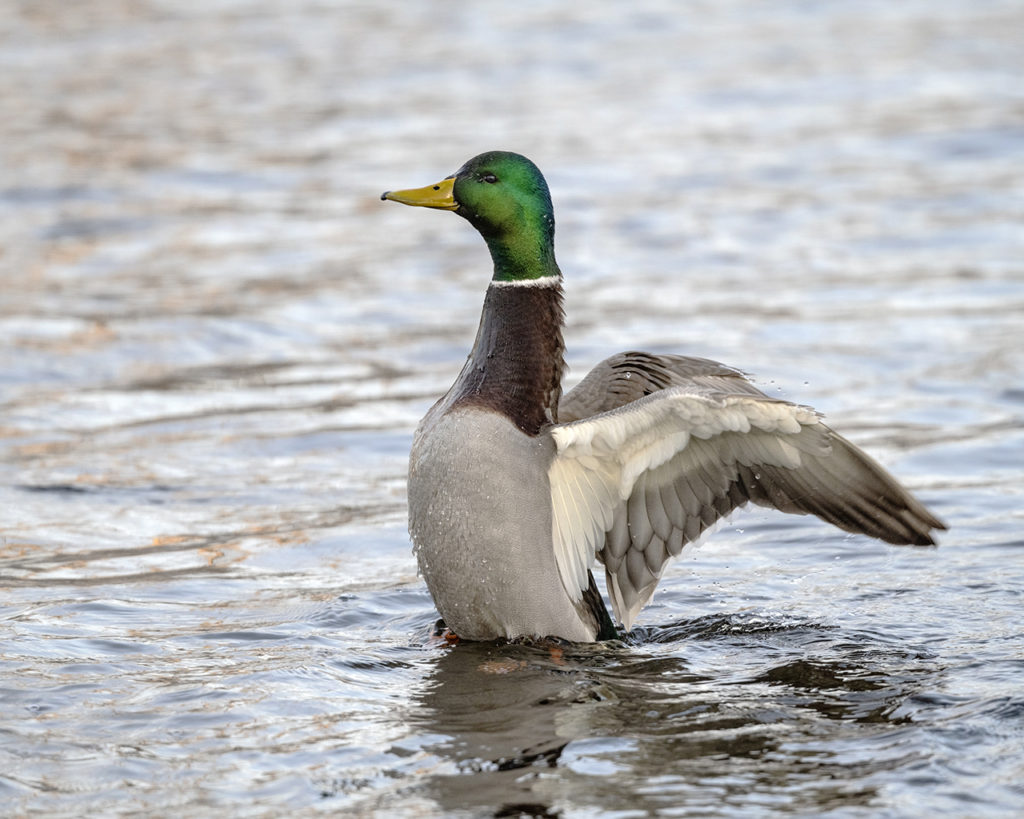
653	450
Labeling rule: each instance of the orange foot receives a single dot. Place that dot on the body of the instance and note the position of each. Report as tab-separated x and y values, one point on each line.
441	632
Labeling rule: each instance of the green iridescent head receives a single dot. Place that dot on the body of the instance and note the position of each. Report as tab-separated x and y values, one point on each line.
504	196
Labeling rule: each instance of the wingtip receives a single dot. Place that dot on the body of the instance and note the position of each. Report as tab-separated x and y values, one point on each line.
924	533
933	525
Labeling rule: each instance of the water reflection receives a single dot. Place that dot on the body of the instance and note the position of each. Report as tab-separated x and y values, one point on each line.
502	715
505	717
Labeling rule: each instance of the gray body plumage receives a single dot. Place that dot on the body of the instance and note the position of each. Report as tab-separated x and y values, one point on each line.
480	520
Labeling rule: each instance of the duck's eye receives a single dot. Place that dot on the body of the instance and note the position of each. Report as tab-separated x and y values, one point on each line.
489	178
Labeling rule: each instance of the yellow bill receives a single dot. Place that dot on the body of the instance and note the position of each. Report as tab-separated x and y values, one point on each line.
440	195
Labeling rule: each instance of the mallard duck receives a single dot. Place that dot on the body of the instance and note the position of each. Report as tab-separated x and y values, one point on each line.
516	490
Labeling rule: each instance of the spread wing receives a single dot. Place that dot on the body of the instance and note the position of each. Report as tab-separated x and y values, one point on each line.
670	445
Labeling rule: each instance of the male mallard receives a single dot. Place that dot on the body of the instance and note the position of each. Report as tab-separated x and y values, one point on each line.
513	492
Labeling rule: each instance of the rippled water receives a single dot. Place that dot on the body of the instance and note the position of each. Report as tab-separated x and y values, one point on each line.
216	343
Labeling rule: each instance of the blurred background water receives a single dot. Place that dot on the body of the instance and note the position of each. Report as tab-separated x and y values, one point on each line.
215	343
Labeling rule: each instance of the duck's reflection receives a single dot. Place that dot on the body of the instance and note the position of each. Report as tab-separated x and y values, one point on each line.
504	714
633	725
